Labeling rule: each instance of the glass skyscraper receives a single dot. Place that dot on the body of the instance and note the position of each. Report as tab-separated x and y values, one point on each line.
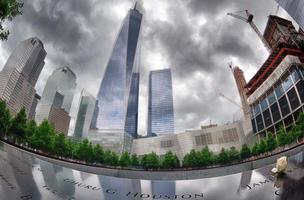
295	8
85	114
117	99
56	99
160	103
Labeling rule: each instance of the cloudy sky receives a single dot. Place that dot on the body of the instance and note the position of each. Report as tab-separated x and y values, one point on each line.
195	38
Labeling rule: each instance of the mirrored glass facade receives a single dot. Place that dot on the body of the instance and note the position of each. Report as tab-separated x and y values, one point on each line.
282	103
160	105
295	8
117	99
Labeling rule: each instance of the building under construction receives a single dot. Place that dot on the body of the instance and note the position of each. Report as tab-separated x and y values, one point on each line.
275	93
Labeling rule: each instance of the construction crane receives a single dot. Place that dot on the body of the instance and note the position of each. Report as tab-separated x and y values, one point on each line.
230	100
248	20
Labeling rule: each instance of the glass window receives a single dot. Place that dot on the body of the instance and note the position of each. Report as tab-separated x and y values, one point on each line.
295	75
257	109
267	118
253	126
271	98
279	91
275	112
284	106
293	99
264	104
287	83
260	123
300	88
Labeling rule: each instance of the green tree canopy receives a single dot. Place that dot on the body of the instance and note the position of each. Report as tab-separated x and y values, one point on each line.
191	159
282	137
263	146
205	157
223	156
170	161
59	145
98	153
233	154
255	149
124	159
5	118
245	151
18	126
134	160
150	161
271	142
8	10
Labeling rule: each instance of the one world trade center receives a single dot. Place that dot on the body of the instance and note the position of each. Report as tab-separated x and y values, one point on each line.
116	110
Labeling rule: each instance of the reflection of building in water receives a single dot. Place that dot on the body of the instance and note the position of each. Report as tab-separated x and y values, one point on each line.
245	180
54	176
20	170
216	137
162	188
127	188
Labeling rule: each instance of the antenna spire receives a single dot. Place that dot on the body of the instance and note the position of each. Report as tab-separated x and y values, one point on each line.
135	5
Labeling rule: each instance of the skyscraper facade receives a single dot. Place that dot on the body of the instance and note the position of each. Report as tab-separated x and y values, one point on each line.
295	9
56	99
117	99
20	74
85	114
160	103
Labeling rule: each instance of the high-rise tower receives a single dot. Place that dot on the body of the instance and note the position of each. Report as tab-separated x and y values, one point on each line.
117	100
295	8
56	99
85	114
160	105
20	74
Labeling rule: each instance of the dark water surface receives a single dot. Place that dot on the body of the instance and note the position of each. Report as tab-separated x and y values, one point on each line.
25	177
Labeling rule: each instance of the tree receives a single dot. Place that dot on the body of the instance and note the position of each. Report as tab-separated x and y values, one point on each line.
205	157
255	149
191	159
8	10
134	160
245	151
233	154
150	161
43	137
98	154
71	148
282	137
300	126
110	158
18	126
31	128
59	145
263	146
124	159
5	119
271	142
223	156
170	161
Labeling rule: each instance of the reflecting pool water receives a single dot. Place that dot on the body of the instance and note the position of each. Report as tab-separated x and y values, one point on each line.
25	177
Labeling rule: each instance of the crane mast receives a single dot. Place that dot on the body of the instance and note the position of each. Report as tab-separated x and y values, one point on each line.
249	20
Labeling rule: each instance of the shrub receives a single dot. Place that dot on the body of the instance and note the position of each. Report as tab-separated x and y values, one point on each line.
245	151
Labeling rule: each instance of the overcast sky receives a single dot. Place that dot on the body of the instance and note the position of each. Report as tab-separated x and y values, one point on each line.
195	38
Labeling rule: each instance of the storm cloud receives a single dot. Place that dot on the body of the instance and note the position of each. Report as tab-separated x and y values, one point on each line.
195	38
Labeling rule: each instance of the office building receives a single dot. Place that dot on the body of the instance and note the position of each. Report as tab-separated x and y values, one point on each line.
85	114
32	112
295	9
20	74
56	99
276	92
160	103
117	100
